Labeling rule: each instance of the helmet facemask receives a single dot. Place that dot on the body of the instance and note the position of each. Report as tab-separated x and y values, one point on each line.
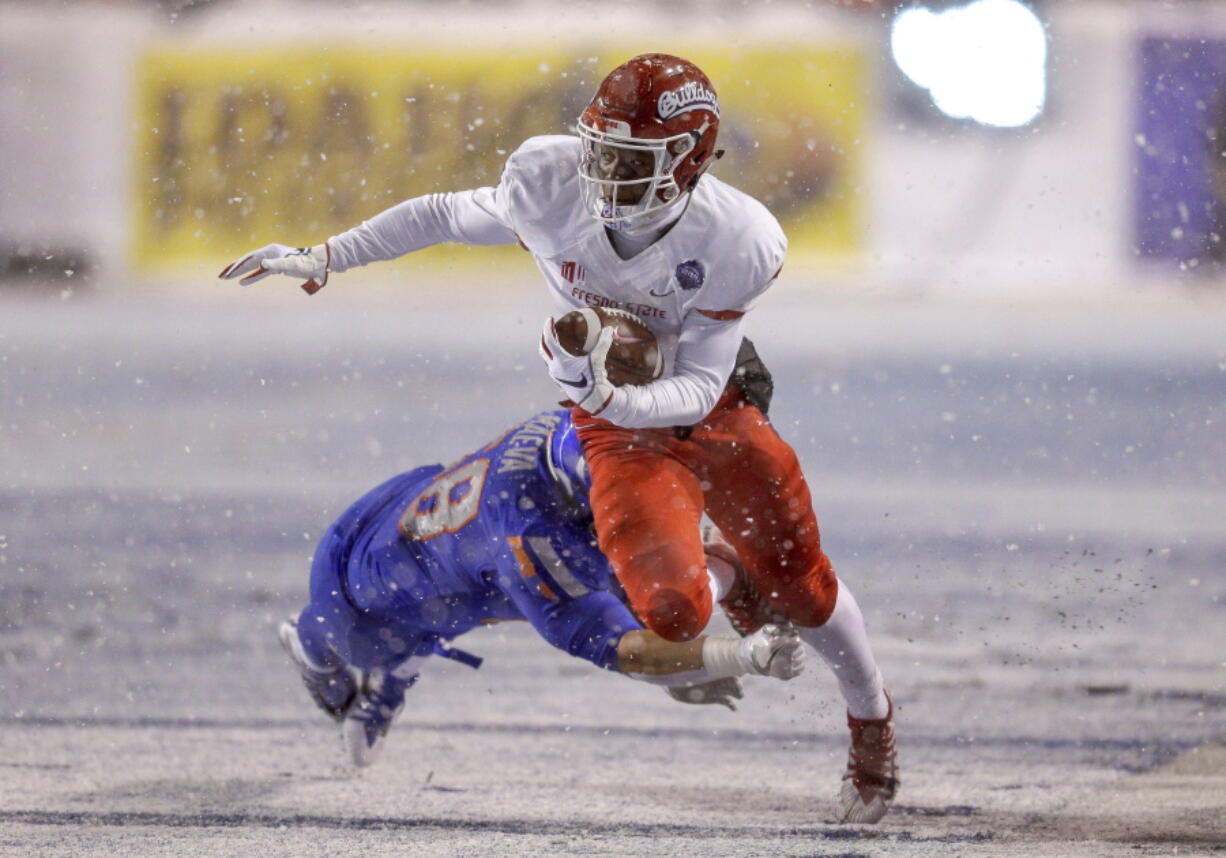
660	192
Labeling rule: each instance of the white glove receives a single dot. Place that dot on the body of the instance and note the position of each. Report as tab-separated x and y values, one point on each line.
583	379
310	263
774	651
720	691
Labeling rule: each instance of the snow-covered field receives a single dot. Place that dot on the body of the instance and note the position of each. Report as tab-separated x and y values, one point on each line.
1028	497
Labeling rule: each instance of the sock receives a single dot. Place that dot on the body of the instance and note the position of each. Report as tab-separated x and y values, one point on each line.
843	644
722	576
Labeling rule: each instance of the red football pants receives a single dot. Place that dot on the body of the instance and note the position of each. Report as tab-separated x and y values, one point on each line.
649	491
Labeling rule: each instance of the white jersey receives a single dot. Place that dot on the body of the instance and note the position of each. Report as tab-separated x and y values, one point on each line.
692	287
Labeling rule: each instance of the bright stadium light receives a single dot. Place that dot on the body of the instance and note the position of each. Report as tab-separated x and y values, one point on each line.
984	61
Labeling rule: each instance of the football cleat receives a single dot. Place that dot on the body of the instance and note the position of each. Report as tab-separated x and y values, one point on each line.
871	779
379	700
333	688
744	607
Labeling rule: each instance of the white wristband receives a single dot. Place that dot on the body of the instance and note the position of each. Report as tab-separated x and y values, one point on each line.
723	657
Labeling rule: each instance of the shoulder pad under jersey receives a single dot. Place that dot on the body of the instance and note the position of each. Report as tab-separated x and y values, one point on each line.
540	188
739	241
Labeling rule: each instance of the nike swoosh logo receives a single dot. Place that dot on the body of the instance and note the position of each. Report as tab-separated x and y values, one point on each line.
582	381
658	295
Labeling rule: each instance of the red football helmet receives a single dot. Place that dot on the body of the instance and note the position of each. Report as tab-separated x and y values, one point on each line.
659	115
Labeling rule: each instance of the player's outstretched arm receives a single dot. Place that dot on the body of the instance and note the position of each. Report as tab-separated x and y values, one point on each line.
598	627
708	670
468	217
770	651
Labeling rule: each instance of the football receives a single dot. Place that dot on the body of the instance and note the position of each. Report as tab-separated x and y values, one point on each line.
634	357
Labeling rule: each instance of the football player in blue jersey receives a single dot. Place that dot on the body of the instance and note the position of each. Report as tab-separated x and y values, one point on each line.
505	533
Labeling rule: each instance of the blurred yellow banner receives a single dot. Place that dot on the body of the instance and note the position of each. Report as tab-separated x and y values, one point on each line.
235	149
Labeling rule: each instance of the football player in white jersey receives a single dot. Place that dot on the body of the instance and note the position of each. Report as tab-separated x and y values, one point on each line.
624	215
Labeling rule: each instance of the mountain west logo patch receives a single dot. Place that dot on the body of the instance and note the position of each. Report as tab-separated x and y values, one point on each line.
690	275
572	271
691	95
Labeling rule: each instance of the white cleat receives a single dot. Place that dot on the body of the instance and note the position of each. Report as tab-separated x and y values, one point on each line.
332	687
854	809
379	701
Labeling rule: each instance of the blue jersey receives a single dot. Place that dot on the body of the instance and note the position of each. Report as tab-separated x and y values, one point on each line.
504	533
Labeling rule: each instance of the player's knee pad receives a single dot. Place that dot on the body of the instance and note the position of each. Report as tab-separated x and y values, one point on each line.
806	599
672	597
673	615
663	574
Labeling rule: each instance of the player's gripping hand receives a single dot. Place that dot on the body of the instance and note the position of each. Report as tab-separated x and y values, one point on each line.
583	378
310	263
718	691
774	651
770	651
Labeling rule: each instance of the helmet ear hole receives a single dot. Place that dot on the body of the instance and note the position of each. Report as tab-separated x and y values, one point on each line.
702	161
